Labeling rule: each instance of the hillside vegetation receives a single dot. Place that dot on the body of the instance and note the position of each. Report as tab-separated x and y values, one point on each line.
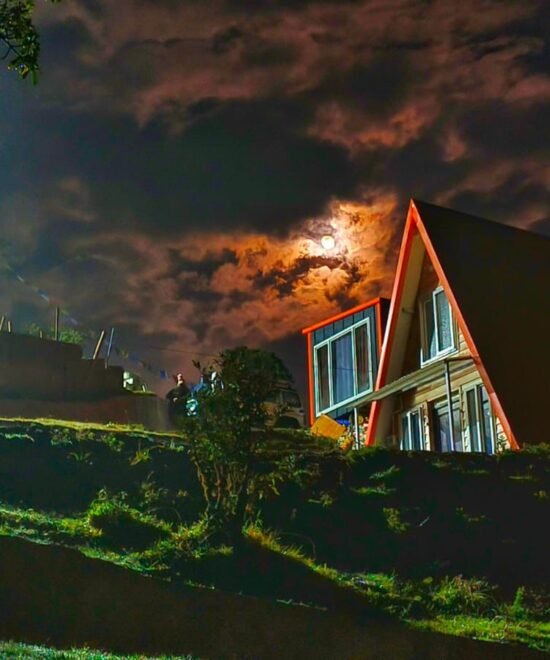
451	543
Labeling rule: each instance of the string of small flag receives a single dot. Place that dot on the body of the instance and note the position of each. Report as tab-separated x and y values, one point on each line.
89	334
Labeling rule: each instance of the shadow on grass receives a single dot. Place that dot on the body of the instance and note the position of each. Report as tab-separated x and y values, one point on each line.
259	571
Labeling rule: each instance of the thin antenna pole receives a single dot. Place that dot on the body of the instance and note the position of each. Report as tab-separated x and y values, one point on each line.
98	345
109	346
56	327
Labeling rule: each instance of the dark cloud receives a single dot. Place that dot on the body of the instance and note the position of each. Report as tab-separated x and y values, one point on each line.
507	131
286	278
379	87
246	165
203	268
227	39
196	152
273	6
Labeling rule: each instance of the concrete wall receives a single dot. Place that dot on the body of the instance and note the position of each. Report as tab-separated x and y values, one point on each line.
148	410
44	378
34	368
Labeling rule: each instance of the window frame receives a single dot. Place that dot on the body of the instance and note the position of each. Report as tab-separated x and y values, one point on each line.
477	388
407	414
328	342
442	404
423	329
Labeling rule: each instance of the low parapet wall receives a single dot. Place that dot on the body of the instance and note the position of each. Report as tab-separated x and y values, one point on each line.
147	410
34	368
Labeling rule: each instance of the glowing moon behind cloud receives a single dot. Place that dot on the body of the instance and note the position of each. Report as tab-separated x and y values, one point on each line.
328	242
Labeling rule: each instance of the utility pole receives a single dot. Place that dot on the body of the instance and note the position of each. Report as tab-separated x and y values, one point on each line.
56	326
98	345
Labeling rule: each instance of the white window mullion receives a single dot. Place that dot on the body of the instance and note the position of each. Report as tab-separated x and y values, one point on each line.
317	381
436	323
354	364
330	387
369	358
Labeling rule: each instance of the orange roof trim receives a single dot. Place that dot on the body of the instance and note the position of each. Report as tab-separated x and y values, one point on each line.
342	315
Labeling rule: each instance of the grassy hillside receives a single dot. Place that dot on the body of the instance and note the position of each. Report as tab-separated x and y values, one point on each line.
33	651
447	543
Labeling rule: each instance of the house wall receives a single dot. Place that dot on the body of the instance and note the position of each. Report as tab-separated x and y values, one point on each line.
427	284
425	395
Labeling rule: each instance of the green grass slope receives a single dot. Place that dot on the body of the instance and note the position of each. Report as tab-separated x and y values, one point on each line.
445	543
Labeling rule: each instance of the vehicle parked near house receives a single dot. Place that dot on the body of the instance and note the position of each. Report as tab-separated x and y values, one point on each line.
134	383
285	407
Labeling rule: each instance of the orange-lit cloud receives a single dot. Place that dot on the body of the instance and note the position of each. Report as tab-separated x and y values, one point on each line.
197	152
207	292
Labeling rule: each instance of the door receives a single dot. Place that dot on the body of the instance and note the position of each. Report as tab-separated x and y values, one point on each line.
441	426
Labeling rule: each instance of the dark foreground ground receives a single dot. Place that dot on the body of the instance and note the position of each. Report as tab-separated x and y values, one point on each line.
56	595
379	545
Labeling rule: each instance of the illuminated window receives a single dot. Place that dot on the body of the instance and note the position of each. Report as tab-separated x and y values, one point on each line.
343	367
412	436
481	425
437	326
447	437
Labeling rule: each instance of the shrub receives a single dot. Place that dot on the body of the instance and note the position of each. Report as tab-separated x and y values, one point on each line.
122	525
529	603
394	521
458	595
519	609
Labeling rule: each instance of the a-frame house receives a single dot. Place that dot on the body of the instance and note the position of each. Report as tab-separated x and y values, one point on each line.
465	362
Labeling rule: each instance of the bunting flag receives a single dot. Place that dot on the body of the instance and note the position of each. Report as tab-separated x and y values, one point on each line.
90	334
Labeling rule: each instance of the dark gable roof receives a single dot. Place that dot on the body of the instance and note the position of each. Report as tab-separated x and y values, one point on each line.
500	277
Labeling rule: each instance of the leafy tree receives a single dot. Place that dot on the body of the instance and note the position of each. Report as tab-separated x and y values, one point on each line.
227	430
68	335
19	36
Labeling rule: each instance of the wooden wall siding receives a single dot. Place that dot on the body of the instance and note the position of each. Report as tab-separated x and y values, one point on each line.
423	396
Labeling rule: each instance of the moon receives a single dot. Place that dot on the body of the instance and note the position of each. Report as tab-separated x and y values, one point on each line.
328	242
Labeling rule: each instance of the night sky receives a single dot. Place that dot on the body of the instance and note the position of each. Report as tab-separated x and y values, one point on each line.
172	173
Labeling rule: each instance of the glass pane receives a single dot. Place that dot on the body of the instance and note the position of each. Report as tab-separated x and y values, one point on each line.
405	439
431	348
444	321
322	378
457	427
416	431
342	368
442	431
487	427
473	421
362	358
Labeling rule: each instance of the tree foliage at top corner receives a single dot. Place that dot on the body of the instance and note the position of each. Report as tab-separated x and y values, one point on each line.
19	37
